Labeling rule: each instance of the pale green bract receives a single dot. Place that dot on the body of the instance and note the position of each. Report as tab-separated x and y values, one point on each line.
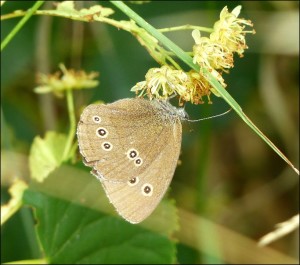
46	155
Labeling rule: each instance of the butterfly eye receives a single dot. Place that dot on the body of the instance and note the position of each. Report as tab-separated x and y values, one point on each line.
107	146
138	161
102	132
133	181
96	119
147	190
132	154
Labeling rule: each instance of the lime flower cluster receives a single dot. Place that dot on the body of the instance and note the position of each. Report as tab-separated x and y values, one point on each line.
164	82
214	54
68	79
229	31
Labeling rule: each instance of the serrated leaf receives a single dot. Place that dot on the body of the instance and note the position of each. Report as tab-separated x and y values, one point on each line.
46	154
74	234
76	184
16	191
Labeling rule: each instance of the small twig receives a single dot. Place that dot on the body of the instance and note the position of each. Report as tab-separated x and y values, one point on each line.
281	230
186	27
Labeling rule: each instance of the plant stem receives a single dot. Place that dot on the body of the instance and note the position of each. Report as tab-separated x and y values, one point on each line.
20	24
72	131
186	27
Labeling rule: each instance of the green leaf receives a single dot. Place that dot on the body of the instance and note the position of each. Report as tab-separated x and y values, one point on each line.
16	191
74	234
46	154
74	184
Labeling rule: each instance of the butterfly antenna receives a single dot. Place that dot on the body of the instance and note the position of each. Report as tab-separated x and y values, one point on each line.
211	117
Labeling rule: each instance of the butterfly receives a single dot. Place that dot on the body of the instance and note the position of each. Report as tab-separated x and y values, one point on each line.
132	146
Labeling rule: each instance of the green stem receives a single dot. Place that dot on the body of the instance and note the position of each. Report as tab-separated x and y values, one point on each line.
186	27
155	33
72	130
29	261
189	61
20	24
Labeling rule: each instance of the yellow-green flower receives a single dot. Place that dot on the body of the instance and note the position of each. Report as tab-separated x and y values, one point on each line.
70	79
229	30
210	54
165	82
216	52
198	87
161	83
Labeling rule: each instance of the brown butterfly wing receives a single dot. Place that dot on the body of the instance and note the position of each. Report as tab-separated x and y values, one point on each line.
130	125
132	201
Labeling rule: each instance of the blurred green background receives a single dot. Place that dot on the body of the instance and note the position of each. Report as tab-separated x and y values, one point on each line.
227	173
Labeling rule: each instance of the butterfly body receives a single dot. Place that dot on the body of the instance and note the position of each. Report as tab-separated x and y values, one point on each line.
133	147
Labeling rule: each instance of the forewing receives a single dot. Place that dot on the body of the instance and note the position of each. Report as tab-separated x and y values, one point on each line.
127	125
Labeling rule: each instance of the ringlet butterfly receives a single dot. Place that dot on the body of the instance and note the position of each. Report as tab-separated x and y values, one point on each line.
133	147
